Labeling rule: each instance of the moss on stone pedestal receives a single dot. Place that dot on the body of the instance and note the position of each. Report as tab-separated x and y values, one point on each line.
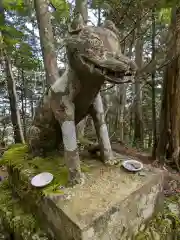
14	220
18	158
166	225
22	167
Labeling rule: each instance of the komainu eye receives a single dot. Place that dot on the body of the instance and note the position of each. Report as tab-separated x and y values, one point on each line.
94	41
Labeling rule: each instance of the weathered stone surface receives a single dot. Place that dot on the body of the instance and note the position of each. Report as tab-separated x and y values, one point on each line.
111	204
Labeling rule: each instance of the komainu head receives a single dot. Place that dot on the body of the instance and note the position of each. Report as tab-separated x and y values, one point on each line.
95	52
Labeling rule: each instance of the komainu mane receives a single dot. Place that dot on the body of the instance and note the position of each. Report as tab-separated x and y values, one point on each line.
94	57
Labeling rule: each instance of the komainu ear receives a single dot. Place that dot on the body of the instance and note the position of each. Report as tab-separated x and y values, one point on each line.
76	25
111	26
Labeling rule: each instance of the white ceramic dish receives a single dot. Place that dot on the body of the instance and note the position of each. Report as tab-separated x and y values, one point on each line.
42	179
132	165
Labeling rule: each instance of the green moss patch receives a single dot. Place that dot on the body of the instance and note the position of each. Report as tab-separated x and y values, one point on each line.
15	220
18	159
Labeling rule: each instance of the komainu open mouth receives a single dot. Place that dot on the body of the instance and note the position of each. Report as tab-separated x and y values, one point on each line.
109	74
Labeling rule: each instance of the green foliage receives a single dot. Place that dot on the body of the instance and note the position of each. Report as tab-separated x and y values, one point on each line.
169	3
164	7
24	57
19	6
14	218
61	5
165	15
15	155
166	225
23	53
96	4
11	31
14	35
12	4
62	9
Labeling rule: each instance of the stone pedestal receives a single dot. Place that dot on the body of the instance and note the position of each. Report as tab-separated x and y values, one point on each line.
111	205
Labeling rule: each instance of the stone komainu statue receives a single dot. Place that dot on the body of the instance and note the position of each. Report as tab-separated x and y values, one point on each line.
94	56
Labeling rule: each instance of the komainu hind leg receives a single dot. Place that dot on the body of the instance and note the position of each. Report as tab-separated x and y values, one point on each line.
97	113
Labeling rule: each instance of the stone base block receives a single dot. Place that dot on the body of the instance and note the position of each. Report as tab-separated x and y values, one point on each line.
111	205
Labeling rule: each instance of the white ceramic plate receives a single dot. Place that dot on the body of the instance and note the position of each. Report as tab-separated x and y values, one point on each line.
42	179
132	165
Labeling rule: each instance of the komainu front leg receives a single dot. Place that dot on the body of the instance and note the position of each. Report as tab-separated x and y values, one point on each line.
97	113
64	113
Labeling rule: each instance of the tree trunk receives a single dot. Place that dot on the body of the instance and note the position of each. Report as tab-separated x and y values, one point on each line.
47	41
138	123
153	75
81	7
169	138
23	101
122	88
15	116
99	15
121	94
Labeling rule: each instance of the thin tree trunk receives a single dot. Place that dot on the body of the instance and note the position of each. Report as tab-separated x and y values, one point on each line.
47	40
122	88
131	127
15	116
99	16
121	94
81	7
150	140
138	123
24	102
32	106
153	76
3	132
22	105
